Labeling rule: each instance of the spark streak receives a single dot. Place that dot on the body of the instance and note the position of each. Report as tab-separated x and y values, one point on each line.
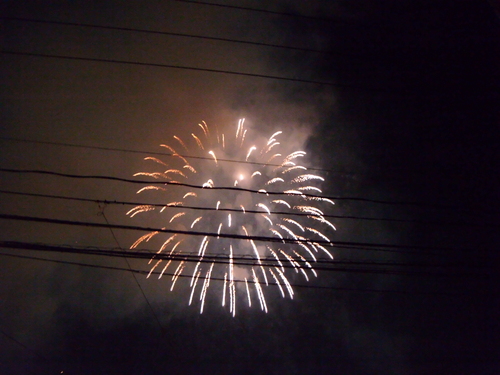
259	266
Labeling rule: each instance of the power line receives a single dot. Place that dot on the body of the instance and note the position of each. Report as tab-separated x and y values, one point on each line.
322	265
165	230
115	202
329	20
21	344
209	159
230	188
171	183
258	10
133	274
393	91
155	316
192	68
334	244
184	35
142	272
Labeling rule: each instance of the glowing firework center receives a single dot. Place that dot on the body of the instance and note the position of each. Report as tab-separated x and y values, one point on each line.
245	216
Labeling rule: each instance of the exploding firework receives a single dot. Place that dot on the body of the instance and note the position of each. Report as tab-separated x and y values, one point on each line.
247	216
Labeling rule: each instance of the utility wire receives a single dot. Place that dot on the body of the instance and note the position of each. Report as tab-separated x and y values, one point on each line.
258	10
184	35
393	91
162	329
208	159
230	188
334	244
324	264
192	68
171	183
300	214
142	272
158	32
133	274
328	266
21	344
327	20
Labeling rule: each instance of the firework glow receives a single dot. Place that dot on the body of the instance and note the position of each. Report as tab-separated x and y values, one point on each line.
267	195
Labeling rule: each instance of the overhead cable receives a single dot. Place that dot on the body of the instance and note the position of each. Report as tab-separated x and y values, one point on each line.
229	188
208	70
168	33
209	159
348	217
143	272
223	257
346	244
320	265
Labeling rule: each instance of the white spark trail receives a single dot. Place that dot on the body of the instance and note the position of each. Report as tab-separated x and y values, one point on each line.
307	177
303	245
277	282
181	142
145	237
317	232
193	287
204	130
213	155
253	148
309	210
206	284
324	249
272	157
271	138
309	188
281	201
262	300
153	268
177	273
136	210
198	141
165	268
298	211
224	290
267	219
295	265
177	215
196	221
232	292
306	263
274	180
248	293
156	160
276	257
288	230
287	283
322	220
263	206
295	167
291	221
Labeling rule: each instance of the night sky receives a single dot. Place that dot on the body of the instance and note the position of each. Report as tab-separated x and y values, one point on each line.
396	104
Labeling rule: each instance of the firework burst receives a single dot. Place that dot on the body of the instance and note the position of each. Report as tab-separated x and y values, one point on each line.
268	194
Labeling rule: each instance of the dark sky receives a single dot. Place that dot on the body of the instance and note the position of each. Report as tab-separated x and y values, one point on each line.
396	101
